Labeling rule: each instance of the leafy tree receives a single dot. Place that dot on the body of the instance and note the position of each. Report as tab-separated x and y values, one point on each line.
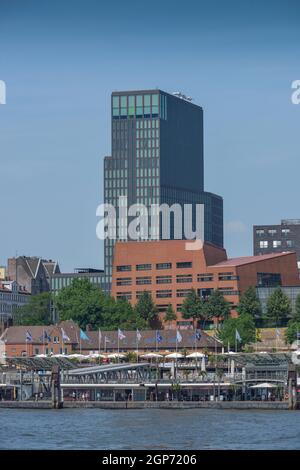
249	303
82	302
291	331
36	312
192	306
296	314
278	307
145	309
216	306
245	326
170	314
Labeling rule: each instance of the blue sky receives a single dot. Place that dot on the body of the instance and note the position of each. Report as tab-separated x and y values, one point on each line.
61	61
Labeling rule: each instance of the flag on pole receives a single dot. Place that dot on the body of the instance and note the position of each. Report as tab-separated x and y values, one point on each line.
237	336
138	336
84	336
159	338
178	337
198	335
277	333
121	334
99	336
28	336
65	337
106	340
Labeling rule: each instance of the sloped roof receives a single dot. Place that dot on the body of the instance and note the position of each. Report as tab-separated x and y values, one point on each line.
251	259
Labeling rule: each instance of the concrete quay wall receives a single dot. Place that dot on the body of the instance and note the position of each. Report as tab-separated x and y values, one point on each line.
117	405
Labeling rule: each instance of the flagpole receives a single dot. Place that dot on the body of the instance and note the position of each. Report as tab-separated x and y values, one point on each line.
156	340
118	343
137	347
44	341
235	342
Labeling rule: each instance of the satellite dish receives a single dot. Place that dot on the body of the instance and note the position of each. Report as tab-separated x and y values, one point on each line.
296	357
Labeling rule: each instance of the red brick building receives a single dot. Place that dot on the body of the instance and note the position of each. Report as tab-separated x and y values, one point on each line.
169	269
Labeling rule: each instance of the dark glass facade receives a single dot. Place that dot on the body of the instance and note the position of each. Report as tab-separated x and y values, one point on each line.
157	157
277	238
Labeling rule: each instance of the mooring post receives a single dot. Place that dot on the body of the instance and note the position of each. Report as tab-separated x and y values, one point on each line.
55	388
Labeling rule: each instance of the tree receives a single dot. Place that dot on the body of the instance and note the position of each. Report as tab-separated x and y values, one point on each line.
146	309
36	312
245	326
216	306
170	314
192	306
82	302
296	314
292	331
249	303
278	307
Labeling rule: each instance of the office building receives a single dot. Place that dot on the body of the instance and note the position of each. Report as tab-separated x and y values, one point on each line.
277	238
168	271
157	158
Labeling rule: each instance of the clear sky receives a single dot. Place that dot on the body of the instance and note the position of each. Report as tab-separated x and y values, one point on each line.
62	59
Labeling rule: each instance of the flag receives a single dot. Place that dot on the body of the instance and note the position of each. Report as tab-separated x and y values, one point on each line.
277	333
106	340
178	337
28	336
121	334
237	336
45	336
65	337
159	338
198	335
298	335
99	336
138	336
83	335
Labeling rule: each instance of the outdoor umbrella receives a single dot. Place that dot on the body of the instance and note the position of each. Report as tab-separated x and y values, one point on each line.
96	355
195	355
264	385
115	356
76	356
151	355
174	356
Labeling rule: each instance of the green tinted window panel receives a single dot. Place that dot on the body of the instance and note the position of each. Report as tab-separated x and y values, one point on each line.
139	100
115	101
147	100
154	109
147	110
116	111
123	101
139	111
123	111
154	100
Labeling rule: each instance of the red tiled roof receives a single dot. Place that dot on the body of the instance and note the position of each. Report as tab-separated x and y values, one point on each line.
251	259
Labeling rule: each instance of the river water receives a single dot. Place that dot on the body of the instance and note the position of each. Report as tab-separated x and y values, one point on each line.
149	429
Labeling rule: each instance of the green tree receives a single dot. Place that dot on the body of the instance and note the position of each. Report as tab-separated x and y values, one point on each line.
245	326
249	303
82	302
170	314
296	314
36	312
145	309
291	331
216	306
192	306
278	307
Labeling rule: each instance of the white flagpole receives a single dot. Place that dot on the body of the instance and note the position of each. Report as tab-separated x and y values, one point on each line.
137	347
235	342
156	340
118	343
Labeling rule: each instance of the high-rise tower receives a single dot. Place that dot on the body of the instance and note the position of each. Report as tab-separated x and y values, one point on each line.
157	157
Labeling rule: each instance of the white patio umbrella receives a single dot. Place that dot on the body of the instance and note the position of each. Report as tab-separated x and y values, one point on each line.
195	355
76	356
96	356
41	355
58	355
151	355
116	356
174	356
264	385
